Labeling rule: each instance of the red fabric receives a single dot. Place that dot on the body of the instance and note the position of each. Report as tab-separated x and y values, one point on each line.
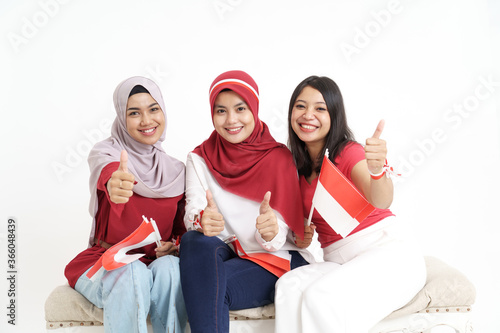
114	222
257	165
349	157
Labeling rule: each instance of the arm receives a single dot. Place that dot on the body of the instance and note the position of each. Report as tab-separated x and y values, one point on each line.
379	192
195	194
212	222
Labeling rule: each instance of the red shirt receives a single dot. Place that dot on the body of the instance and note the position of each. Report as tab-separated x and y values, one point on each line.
114	222
348	158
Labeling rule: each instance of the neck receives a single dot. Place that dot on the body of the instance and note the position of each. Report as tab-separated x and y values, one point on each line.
314	150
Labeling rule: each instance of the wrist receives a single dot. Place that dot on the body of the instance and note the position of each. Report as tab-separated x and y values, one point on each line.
377	176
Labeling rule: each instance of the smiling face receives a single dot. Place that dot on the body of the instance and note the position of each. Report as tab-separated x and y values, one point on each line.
145	119
310	119
232	117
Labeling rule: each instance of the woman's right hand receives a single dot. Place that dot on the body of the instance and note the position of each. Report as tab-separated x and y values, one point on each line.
212	222
121	183
308	236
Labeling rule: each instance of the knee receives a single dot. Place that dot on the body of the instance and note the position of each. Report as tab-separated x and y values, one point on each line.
165	268
189	242
128	277
194	243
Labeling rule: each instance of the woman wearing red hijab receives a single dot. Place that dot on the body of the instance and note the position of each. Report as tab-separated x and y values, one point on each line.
240	182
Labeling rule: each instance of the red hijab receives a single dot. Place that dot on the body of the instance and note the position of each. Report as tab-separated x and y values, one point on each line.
258	164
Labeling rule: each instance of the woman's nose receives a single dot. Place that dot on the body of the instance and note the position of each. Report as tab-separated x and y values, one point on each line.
309	113
146	119
232	117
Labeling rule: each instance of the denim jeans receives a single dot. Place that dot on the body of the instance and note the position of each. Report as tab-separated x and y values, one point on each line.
214	280
128	294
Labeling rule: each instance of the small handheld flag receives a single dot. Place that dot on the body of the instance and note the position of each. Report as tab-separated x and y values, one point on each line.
338	201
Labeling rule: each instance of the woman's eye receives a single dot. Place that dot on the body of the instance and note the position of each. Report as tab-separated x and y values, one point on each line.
133	113
220	111
241	108
155	109
321	109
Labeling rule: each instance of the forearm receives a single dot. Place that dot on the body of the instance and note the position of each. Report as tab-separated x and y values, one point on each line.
381	192
195	194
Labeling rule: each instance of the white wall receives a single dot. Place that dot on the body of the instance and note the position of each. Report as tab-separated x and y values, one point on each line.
421	65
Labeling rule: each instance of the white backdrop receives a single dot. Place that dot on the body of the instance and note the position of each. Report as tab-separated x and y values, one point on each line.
429	68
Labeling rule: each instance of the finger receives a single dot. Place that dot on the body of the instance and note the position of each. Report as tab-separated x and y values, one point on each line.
380	128
123	161
264	206
374	143
210	201
126	185
118	199
122	193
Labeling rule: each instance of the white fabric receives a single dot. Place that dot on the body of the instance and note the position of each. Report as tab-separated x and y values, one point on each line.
332	212
364	278
240	214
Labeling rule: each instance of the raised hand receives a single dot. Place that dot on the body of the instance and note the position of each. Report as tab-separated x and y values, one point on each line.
212	222
267	224
376	150
121	183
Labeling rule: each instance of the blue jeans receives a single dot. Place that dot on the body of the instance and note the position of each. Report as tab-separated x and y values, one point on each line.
215	280
128	294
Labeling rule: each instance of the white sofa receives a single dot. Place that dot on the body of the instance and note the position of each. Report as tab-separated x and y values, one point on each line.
446	299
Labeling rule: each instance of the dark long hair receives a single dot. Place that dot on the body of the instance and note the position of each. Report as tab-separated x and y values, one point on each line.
338	136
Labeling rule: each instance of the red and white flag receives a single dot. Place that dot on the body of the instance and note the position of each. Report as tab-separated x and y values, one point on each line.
338	201
274	264
116	256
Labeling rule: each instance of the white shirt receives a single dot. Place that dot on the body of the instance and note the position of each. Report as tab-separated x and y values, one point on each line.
240	214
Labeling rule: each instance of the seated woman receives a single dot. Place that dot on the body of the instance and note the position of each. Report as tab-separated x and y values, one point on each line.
374	270
131	176
239	182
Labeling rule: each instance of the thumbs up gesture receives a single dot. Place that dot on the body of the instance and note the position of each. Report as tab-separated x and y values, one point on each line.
121	183
376	150
267	224
212	222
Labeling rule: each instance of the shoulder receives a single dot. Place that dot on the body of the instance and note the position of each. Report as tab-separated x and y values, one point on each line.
352	153
281	152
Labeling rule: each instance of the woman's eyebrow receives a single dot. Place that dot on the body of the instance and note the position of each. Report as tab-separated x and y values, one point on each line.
302	101
136	108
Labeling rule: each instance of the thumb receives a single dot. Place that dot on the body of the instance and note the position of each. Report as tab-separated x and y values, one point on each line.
210	201
380	128
123	161
264	206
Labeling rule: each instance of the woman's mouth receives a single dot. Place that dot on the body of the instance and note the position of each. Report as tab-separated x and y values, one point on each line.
307	127
234	130
149	131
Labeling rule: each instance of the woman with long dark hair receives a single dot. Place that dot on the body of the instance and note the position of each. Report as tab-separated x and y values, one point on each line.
375	269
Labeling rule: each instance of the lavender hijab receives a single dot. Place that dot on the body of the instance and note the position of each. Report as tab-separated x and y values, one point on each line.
157	174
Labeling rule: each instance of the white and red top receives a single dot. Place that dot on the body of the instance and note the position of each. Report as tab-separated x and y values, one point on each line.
240	214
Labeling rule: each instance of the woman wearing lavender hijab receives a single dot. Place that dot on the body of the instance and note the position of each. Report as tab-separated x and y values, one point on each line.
131	176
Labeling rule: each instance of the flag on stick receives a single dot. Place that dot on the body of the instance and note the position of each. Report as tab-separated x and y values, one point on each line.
116	256
338	201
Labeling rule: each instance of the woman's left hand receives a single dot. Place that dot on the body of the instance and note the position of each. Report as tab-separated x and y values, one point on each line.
267	224
166	248
376	150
